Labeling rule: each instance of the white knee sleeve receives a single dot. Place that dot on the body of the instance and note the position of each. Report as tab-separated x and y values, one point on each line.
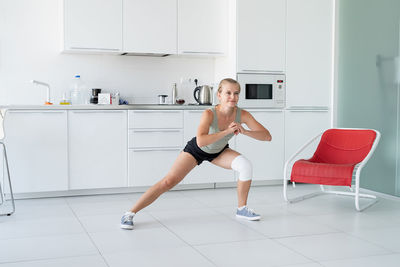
243	166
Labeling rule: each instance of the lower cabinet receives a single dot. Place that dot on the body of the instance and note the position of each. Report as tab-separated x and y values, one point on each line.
301	126
58	150
266	157
146	167
37	146
206	172
97	148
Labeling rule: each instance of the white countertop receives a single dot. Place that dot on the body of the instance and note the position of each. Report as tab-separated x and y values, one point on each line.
112	107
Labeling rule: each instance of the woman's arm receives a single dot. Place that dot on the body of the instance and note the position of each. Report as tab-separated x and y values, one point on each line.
257	131
203	138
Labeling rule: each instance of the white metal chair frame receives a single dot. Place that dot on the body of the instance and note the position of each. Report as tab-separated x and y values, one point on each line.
2	193
356	176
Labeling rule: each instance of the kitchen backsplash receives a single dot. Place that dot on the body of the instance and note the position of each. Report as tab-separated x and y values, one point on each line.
31	49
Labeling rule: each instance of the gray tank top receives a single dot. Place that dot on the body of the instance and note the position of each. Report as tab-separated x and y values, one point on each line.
220	144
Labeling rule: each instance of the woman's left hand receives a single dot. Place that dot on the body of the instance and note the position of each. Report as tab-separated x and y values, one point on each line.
240	130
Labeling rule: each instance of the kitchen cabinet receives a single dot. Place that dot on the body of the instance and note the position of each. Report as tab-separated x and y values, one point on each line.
156	119
202	27
266	157
92	25
155	140
147	167
36	144
309	52
301	126
206	172
261	35
97	148
150	26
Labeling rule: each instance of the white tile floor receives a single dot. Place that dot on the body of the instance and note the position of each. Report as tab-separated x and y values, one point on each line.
198	228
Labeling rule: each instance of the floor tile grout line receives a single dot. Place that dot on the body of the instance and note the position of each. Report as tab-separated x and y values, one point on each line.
311	259
341	232
88	235
363	257
370	242
184	241
45	259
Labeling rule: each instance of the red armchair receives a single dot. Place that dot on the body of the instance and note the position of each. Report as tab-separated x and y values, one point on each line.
337	161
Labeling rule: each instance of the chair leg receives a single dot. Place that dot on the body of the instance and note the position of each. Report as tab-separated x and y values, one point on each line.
9	182
299	198
1	194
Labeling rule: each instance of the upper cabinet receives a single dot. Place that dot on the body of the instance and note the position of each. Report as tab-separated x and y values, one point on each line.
147	26
150	26
309	52
202	27
261	35
92	25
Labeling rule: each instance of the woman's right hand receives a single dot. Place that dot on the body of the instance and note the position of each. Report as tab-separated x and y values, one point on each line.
233	128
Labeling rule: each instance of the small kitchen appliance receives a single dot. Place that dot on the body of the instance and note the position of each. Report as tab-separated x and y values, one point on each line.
203	94
262	90
162	99
94	99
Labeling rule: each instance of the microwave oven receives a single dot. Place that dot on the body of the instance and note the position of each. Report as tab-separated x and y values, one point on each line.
262	90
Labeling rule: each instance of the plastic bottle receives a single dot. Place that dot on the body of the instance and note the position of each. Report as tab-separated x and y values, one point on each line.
79	92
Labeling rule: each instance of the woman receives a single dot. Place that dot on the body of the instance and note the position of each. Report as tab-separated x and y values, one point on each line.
217	126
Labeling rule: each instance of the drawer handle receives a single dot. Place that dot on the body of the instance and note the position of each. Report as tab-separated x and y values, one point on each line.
156	131
98	111
154	111
156	149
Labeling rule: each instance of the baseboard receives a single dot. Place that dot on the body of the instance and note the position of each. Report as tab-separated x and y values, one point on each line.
379	194
136	189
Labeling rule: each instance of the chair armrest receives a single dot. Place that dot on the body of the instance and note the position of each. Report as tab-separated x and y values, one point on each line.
298	152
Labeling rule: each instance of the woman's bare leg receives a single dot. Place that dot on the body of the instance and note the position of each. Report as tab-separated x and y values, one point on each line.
183	164
224	160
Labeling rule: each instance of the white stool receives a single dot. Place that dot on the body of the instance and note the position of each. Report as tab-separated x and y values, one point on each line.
2	193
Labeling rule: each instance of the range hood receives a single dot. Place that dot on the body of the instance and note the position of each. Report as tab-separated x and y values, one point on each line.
144	54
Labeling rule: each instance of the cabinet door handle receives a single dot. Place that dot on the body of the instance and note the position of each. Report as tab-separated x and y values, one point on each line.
309	110
270	71
203	52
95	48
36	111
266	110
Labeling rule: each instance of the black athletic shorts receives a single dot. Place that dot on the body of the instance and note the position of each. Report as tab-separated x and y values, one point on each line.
194	150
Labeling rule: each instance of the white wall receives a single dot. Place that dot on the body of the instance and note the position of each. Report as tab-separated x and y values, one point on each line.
30	48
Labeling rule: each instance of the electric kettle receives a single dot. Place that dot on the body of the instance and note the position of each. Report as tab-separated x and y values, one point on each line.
203	94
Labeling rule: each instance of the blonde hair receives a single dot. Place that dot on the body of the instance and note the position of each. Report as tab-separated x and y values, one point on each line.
227	80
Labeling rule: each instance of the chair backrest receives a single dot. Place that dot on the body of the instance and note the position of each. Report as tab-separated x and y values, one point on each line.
344	146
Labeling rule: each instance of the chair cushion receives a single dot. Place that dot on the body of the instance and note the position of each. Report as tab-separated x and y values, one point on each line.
305	171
